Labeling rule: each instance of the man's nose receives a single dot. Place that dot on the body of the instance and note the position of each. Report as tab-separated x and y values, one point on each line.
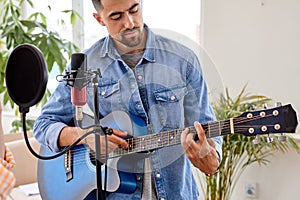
128	21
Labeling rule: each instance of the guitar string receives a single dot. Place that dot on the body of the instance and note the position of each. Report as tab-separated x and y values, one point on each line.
212	127
121	151
83	158
153	141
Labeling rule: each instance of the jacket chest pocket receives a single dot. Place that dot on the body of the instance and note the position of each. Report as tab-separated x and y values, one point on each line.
107	90
169	109
109	96
170	95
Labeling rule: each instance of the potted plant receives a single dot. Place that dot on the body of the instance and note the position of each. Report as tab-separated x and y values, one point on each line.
239	151
15	30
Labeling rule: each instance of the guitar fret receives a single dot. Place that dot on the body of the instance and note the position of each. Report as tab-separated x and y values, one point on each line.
177	137
148	142
158	140
142	143
214	131
169	137
166	139
220	131
139	146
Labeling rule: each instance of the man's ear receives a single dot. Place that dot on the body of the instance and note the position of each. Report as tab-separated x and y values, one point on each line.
98	18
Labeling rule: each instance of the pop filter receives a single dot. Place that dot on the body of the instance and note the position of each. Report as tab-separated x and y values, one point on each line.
26	76
26	81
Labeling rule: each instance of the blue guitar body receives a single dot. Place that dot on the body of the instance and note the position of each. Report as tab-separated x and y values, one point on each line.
52	177
73	176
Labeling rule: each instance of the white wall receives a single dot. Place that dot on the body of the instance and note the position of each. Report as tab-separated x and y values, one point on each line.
257	42
278	180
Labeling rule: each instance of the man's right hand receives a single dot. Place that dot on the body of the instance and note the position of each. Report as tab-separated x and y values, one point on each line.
70	134
114	141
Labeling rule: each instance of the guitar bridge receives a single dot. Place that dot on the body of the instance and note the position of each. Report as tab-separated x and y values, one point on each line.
68	165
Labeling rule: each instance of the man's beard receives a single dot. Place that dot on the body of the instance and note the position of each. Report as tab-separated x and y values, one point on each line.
132	41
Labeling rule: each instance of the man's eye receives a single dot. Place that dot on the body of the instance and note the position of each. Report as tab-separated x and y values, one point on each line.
116	17
134	10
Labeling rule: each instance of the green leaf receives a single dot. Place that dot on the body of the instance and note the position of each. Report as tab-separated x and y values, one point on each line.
238	151
15	30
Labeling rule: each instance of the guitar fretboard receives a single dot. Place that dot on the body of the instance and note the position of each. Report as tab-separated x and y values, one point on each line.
281	119
168	138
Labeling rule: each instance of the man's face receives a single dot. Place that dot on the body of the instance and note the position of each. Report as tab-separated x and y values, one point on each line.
123	20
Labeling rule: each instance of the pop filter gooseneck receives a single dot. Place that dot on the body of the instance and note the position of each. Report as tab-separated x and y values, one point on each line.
26	78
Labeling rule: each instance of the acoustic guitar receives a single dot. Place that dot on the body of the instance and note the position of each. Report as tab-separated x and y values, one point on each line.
73	176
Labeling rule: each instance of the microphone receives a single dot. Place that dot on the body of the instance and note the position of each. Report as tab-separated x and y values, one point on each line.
79	89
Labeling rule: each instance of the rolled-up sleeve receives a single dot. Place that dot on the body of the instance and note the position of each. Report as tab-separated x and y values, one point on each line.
55	115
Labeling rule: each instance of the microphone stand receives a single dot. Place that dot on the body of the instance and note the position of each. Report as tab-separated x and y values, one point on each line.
98	132
98	129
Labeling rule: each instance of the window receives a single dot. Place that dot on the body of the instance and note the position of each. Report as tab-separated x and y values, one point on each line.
182	17
55	16
173	15
56	21
93	31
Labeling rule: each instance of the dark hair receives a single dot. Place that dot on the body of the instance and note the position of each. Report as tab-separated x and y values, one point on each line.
97	5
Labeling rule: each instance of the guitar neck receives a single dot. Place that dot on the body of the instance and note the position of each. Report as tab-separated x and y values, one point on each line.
281	119
169	138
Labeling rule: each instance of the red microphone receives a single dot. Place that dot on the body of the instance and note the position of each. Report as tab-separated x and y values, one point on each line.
79	89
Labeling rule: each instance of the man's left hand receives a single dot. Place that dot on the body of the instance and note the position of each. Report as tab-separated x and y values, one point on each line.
202	153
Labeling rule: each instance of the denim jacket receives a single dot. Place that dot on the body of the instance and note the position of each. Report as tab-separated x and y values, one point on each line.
166	89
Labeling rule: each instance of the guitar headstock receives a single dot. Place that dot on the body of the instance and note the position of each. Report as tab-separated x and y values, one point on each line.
282	119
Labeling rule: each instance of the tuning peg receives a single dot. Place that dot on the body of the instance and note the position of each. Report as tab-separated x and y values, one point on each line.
269	139
252	107
278	104
265	106
282	137
256	140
